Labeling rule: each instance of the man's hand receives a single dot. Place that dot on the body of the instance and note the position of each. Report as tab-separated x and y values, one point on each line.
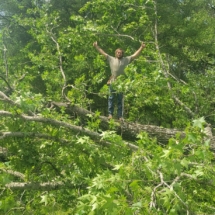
143	45
95	44
137	53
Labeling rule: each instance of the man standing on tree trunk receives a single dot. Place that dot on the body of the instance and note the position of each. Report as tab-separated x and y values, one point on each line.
117	66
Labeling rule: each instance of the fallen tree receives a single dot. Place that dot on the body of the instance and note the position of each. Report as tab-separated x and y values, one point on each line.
128	130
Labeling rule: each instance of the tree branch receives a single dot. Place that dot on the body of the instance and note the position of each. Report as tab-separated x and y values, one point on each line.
4	135
9	101
60	60
5	61
14	173
6	83
93	135
37	186
128	130
117	35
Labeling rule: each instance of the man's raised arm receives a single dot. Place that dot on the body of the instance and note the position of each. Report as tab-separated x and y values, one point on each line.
95	44
137	53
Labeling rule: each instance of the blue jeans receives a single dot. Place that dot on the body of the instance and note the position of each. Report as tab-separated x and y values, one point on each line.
111	98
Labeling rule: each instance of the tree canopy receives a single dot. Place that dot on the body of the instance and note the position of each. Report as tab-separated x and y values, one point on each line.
59	153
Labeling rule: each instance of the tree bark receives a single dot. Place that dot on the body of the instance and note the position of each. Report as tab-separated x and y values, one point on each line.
35	186
127	130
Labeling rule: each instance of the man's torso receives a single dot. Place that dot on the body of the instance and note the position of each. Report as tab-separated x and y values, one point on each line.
117	66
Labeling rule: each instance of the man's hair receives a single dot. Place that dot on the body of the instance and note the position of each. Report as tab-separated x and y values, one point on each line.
119	49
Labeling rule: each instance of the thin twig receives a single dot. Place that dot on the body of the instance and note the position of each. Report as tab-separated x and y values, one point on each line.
60	60
5	62
117	35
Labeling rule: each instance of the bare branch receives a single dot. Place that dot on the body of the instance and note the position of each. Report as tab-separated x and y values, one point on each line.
35	186
14	173
5	62
60	60
177	196
6	83
45	186
116	35
138	6
180	176
7	99
4	135
153	196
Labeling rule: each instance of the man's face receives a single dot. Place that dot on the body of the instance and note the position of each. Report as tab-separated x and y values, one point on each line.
119	54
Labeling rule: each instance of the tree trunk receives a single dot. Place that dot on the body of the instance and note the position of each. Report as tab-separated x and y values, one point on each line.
127	130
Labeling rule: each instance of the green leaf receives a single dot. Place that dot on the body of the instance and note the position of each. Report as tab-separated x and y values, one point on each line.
184	162
44	199
199	123
117	167
166	153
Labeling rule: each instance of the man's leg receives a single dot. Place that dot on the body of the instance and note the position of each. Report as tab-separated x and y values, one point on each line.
111	102
120	105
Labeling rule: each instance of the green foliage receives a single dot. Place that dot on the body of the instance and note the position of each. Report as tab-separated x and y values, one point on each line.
47	56
162	183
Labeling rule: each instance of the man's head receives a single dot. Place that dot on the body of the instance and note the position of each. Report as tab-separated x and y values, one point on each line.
119	53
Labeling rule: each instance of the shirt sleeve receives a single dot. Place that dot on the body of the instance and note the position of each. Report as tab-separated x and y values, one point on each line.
109	58
129	59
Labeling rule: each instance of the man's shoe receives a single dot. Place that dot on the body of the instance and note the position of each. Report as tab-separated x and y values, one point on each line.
110	116
121	119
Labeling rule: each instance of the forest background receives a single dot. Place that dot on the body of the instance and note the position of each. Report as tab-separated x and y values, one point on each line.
58	152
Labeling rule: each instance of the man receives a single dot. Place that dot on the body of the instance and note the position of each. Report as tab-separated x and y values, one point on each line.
117	65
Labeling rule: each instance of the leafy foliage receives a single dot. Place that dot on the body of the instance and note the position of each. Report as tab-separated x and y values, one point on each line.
55	161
